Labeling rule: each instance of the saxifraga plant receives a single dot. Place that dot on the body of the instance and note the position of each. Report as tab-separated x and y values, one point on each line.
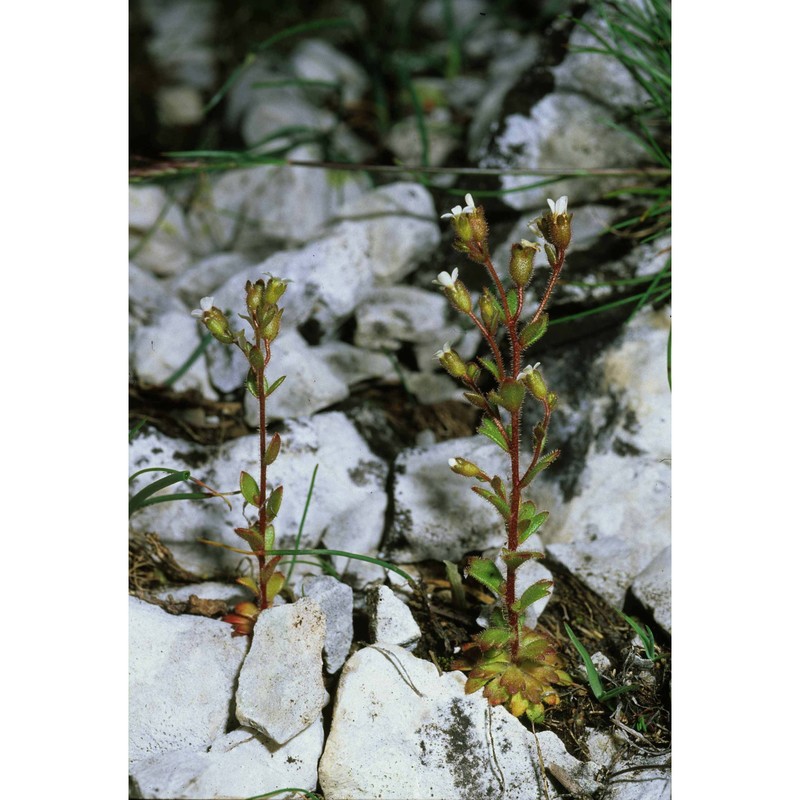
513	664
264	317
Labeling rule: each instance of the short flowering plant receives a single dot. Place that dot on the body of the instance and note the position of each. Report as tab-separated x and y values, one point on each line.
514	665
264	319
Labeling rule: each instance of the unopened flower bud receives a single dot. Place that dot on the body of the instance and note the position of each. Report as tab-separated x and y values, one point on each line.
271	330
521	266
255	295
217	324
275	289
451	361
466	468
552	258
491	312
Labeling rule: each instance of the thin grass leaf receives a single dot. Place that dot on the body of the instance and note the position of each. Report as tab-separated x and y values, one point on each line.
187	365
456	585
595	683
133	432
302	520
356	556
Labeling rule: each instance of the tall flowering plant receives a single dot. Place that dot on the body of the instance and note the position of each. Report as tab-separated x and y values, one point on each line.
513	664
264	319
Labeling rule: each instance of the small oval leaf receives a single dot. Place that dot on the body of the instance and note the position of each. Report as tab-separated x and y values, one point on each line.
249	487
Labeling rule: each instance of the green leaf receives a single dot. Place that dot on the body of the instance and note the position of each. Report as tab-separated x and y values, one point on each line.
533	593
496	501
251	382
532	525
512	302
274	502
489	364
533	331
273	386
456	585
477	400
493	431
484	571
493	637
249	487
594	679
544	462
269	537
248	582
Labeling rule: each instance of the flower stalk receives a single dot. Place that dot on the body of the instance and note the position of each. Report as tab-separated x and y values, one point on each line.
513	664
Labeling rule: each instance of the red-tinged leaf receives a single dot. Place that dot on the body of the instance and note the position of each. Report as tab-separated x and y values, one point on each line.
252	537
274	585
273	449
249	488
274	502
493	637
249	583
474	685
518	557
544	462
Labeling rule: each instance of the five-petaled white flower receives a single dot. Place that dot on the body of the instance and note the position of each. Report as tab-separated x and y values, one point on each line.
447	281
528	370
457	211
206	304
558	207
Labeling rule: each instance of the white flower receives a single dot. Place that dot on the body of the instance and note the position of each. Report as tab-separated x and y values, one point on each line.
205	305
526	243
446	348
452	462
457	211
560	205
528	370
447	281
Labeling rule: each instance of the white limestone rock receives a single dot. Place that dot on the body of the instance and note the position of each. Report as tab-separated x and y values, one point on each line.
347	508
281	691
601	77
607	565
653	588
562	130
436	516
242	763
318	60
578	777
158	237
148	299
391	620
182	674
203	276
336	600
391	315
310	385
160	349
356	364
401	730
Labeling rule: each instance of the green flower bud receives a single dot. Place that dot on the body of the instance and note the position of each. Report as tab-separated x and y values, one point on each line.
466	468
255	295
217	324
275	289
451	361
521	266
273	327
552	258
491	312
455	291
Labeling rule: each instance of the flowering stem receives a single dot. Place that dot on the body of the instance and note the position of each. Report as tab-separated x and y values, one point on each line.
261	380
560	256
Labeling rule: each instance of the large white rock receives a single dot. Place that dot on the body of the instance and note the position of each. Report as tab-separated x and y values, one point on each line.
242	763
317	60
401	730
562	130
336	600
436	515
653	588
281	691
347	506
391	620
182	674
160	349
310	384
159	240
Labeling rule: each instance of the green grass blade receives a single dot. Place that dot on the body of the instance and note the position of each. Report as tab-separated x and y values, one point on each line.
594	679
302	520
187	365
356	556
132	433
